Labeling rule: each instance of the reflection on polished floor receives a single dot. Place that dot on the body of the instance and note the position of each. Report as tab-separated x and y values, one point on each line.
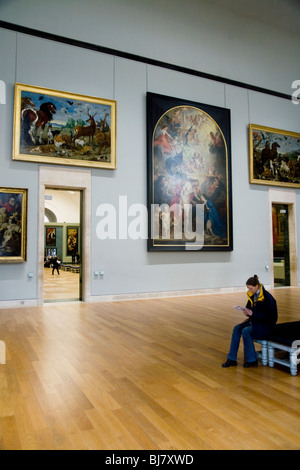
62	287
141	374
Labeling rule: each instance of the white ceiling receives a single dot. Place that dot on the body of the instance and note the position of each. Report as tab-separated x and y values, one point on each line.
64	204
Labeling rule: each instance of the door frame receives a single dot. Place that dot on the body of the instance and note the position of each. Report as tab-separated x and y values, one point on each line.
70	179
281	196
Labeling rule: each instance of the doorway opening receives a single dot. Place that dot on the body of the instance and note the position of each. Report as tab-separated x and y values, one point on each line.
70	180
283	238
63	245
281	245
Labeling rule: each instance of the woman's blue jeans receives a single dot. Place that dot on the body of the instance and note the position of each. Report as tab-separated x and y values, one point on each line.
245	330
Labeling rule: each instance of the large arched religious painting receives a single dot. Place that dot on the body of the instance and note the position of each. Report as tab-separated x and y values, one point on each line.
189	176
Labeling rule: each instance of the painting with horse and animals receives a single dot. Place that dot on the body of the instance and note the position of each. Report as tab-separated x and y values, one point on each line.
274	156
63	128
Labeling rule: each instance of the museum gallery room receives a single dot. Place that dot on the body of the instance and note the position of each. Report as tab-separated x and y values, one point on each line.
149	221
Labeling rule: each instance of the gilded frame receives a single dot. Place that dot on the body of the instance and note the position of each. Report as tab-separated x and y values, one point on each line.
72	240
274	156
13	225
50	236
56	127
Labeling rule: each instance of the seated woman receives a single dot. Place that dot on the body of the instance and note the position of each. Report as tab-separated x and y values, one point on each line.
261	310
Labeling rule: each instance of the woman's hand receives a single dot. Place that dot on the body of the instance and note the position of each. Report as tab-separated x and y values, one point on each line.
248	312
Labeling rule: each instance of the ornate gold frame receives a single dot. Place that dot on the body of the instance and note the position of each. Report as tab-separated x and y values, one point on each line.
13	221
70	133
274	156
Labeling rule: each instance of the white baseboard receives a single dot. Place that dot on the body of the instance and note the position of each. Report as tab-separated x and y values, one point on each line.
163	295
134	296
18	303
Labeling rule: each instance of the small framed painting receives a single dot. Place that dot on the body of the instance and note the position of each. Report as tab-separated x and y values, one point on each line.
51	236
72	241
13	225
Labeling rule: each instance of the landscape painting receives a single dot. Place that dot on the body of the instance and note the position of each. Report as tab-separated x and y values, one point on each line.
274	156
62	128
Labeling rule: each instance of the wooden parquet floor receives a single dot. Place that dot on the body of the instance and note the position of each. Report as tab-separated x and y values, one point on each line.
141	375
62	287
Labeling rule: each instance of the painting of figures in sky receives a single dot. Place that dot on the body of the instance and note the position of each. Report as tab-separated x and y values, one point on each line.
63	128
189	176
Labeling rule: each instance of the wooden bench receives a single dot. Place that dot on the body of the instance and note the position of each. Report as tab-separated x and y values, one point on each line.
285	337
71	268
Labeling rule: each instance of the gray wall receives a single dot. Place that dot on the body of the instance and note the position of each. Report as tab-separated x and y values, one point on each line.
251	41
199	37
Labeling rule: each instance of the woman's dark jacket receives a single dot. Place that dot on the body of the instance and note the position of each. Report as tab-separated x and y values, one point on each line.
264	316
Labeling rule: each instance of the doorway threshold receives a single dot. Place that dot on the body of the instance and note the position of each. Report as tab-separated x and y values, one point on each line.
56	301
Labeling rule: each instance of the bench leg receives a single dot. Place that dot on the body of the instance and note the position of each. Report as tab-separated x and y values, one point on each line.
293	364
264	353
271	352
2	353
